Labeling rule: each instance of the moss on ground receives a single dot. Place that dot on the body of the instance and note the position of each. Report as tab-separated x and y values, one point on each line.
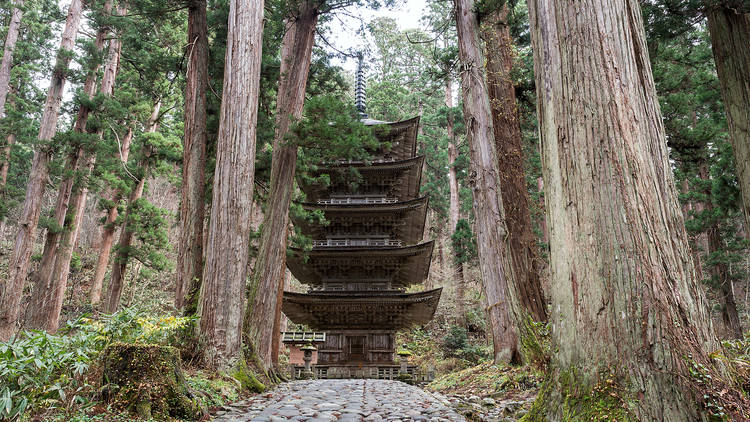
147	380
606	401
247	377
488	379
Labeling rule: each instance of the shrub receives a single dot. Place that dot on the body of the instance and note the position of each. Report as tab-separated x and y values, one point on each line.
41	370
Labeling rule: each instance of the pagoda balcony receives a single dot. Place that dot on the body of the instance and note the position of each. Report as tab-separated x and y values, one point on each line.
356	201
329	243
377	160
403	220
361	310
401	266
391	179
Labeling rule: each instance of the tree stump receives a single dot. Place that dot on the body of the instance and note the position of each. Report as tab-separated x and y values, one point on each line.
147	379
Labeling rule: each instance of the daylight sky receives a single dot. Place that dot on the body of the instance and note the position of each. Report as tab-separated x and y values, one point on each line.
343	29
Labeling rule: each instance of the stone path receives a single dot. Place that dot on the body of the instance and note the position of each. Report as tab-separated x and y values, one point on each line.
341	400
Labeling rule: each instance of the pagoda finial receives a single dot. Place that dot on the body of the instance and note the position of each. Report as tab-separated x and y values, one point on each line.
359	88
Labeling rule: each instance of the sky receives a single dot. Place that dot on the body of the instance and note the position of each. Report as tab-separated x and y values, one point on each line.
343	29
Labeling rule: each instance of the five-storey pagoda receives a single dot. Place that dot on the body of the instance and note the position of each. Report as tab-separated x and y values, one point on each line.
363	261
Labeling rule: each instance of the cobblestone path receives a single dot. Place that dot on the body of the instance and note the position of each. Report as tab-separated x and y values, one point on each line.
341	400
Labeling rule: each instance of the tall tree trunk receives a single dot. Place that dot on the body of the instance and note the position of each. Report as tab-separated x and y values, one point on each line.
228	248
509	144
11	291
730	40
491	227
719	270
109	228
296	54
43	290
453	205
120	264
117	280
543	222
190	246
47	316
277	321
627	305
5	168
7	62
460	294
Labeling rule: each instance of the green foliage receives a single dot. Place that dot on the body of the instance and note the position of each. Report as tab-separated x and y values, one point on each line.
44	371
150	226
464	243
457	344
329	131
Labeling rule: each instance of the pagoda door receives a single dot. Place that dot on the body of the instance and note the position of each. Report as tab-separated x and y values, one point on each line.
356	347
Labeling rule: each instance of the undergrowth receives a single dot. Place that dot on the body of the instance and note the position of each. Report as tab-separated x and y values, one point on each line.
58	377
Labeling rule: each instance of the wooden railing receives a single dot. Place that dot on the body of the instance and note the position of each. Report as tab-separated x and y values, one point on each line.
418	375
354	242
356	201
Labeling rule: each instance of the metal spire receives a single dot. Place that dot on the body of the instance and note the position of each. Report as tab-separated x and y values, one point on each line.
359	89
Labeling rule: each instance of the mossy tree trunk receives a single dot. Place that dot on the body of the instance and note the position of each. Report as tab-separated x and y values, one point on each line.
626	302
263	291
147	379
227	245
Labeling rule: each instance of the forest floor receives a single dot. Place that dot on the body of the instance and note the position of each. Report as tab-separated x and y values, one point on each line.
342	400
484	392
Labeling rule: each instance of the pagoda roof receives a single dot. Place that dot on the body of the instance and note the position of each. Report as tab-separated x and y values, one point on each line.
361	311
402	137
403	220
396	179
399	266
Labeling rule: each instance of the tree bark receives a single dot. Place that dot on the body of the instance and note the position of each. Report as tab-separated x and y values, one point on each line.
543	222
277	321
120	264
719	270
522	246
43	290
228	248
5	164
730	40
190	246
108	229
11	291
453	205
5	168
7	62
626	302
491	227
48	314
117	280
296	54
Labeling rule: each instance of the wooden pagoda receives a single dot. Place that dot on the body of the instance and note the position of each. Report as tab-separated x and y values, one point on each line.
365	258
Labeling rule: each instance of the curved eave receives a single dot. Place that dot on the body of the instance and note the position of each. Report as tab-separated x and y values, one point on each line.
405	188
400	266
365	311
411	215
401	135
